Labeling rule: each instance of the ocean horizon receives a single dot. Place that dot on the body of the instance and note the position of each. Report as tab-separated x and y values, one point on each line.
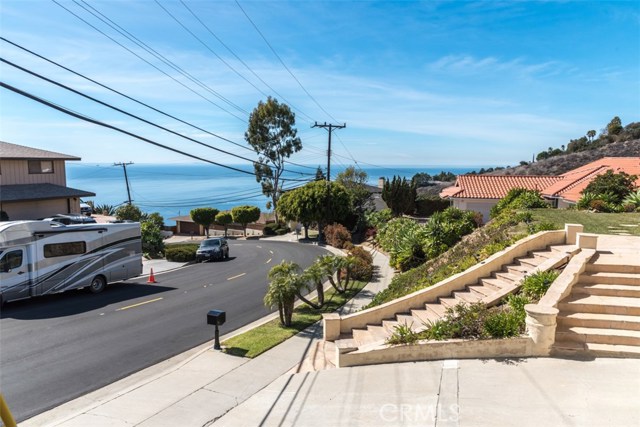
174	189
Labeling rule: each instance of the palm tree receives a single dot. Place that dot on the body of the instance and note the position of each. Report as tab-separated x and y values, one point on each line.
282	290
328	264
315	275
344	265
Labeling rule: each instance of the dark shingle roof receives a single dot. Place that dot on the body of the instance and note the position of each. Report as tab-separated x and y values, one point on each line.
20	152
25	192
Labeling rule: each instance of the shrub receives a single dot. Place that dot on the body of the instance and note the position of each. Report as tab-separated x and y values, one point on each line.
363	264
270	229
402	334
4	216
337	235
461	321
536	285
152	242
378	219
619	185
428	205
632	199
181	253
519	198
599	205
503	323
128	212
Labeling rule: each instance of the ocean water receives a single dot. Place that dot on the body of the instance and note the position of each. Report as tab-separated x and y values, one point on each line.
175	189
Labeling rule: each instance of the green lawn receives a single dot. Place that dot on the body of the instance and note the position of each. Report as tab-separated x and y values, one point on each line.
600	223
258	340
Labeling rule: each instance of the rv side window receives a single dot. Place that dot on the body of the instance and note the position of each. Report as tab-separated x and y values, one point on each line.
11	260
63	249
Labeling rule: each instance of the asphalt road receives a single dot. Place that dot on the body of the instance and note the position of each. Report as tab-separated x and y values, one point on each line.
56	348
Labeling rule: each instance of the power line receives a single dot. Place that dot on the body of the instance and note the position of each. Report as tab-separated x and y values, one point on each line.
283	64
241	61
140	102
108	126
149	63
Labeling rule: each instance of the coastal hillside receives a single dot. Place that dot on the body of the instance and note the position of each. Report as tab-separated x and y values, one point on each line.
560	164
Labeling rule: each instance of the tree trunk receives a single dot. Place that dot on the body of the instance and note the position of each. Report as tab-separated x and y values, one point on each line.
308	302
281	313
306	231
288	311
337	286
320	292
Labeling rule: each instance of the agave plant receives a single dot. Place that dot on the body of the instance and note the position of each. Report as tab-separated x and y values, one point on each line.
632	198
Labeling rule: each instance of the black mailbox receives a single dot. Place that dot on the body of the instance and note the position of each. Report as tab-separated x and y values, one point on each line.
216	317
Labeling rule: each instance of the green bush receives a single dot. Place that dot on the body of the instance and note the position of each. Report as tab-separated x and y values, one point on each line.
270	229
428	205
402	334
152	242
337	235
363	264
503	323
282	231
519	198
536	285
181	253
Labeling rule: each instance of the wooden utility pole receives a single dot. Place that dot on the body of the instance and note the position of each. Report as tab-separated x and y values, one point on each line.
126	179
330	127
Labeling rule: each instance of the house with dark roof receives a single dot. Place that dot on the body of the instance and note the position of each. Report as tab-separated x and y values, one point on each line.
481	192
33	183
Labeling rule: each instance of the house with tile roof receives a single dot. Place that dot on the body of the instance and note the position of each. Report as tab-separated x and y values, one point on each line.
33	183
481	192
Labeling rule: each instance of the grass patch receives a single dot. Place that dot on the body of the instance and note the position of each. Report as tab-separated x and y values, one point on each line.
594	222
258	340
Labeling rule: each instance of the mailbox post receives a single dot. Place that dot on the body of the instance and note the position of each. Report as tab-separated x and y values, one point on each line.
217	318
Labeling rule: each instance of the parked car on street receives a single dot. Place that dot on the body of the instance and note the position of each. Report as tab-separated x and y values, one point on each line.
215	248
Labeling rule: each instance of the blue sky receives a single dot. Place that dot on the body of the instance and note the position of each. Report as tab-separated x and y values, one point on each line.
417	83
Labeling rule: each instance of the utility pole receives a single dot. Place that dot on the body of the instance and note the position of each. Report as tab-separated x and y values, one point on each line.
126	179
330	127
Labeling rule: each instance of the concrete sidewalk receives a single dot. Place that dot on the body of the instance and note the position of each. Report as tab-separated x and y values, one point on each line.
196	387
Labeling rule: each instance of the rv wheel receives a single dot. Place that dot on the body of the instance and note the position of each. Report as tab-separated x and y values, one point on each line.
97	284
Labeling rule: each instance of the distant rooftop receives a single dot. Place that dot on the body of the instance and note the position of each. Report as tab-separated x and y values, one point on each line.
20	152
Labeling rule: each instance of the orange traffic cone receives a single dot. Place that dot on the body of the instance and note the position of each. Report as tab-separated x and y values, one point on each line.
152	278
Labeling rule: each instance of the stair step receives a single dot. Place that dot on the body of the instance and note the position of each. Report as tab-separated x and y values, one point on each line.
518	269
599	320
529	262
495	283
362	337
598	335
451	302
410	321
482	290
390	325
508	277
613	264
379	333
613	350
426	316
563	249
611	278
542	255
600	304
437	308
467	296
605	289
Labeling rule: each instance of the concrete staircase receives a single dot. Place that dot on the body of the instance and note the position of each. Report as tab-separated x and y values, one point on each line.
601	316
489	290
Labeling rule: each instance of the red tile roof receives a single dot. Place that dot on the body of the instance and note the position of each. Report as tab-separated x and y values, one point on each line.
567	186
575	181
495	186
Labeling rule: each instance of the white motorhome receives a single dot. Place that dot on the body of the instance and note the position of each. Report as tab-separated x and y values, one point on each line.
45	257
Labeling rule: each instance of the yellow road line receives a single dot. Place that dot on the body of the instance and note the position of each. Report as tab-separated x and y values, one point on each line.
268	261
235	277
139	304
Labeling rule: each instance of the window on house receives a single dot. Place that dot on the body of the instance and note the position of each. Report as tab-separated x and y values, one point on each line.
40	166
64	249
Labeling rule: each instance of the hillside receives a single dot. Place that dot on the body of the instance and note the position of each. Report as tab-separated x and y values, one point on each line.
560	164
